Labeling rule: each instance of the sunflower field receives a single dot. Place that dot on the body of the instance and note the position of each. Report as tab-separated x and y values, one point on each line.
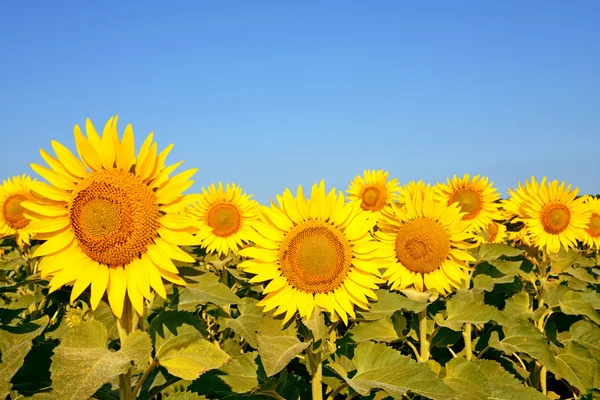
115	283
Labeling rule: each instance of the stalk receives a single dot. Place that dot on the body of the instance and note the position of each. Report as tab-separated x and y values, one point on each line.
468	327
317	382
125	325
423	340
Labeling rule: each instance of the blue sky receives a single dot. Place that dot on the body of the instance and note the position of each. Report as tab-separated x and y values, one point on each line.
273	94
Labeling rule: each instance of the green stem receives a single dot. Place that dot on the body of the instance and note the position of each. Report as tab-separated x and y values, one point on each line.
139	383
317	382
125	325
467	337
423	339
337	391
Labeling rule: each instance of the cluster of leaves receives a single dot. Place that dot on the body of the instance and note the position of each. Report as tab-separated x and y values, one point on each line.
527	324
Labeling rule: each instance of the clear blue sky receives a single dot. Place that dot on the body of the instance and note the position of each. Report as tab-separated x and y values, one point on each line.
271	94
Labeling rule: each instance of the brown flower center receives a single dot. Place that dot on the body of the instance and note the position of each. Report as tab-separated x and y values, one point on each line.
594	226
492	231
555	217
224	219
315	257
469	201
13	211
422	245
373	197
114	217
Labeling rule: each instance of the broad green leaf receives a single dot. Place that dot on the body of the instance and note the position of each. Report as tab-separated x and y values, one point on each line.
104	314
137	346
239	375
316	325
483	282
493	251
522	336
463	308
575	303
577	366
185	396
181	348
587	335
466	379
518	306
247	323
553	293
388	303
581	274
15	343
561	260
381	330
381	367
82	364
205	289
277	347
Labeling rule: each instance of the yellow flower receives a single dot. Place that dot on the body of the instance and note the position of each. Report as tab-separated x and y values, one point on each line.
555	218
591	238
314	252
224	217
475	196
373	191
494	233
423	243
411	189
110	219
12	219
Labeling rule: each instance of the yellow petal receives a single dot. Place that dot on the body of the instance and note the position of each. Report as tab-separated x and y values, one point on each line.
116	289
174	252
126	156
57	243
178	238
68	160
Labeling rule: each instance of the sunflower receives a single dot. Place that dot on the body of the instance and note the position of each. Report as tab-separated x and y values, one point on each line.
110	219
475	196
12	219
494	233
373	191
555	218
314	252
411	188
591	238
424	242
224	217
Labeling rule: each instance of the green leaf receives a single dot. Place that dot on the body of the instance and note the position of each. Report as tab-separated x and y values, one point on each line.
581	274
587	335
575	303
576	364
483	282
518	306
185	396
381	367
239	375
388	303
381	330
463	308
561	260
493	251
82	364
206	289
15	343
181	348
521	336
104	314
277	347
316	325
137	346
247	323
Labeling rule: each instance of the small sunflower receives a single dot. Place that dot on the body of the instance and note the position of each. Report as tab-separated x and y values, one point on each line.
12	218
373	191
314	252
110	219
475	196
555	217
411	189
423	243
591	238
494	233
224	217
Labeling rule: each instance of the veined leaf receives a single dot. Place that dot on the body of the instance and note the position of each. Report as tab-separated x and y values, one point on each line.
206	289
137	346
464	308
239	375
388	303
277	347
247	323
577	366
381	330
493	251
15	343
574	303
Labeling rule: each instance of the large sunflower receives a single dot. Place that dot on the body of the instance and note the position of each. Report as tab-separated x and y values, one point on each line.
315	251
373	191
224	217
591	238
423	243
12	219
555	218
475	196
111	220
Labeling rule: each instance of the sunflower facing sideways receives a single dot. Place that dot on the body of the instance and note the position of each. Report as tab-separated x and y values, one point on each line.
591	238
13	192
475	196
110	218
423	243
373	191
314	252
224	217
555	219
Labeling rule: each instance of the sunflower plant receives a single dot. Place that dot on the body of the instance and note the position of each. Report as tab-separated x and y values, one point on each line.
116	283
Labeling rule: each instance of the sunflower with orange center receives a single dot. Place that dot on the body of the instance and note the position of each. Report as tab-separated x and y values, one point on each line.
555	218
373	191
591	238
424	242
13	221
314	252
475	196
411	189
494	233
110	217
224	216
